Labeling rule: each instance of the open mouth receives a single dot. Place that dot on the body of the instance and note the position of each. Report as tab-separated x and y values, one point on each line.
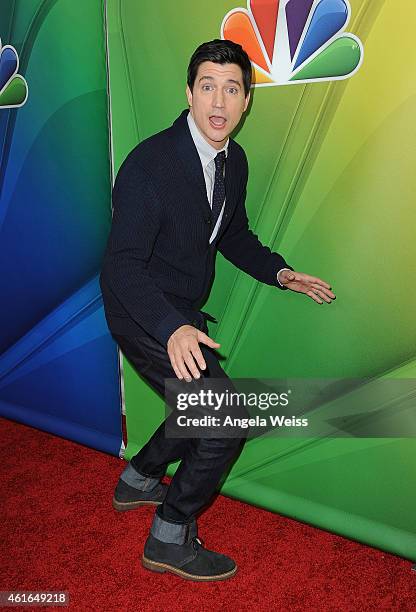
217	122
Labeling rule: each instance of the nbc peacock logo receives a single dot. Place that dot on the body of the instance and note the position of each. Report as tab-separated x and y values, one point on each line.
295	41
13	87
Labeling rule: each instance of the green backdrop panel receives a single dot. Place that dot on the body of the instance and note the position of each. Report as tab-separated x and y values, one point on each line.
331	185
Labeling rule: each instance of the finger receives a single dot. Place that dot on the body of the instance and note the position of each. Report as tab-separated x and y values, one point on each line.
322	295
202	337
181	365
313	279
174	366
314	296
322	292
320	282
327	292
197	353
189	360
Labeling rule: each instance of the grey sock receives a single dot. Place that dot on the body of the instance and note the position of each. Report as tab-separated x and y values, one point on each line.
173	533
138	481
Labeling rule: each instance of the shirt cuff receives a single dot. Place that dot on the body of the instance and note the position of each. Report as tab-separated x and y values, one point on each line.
277	275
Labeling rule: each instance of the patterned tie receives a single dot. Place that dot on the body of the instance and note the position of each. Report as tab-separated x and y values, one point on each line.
218	196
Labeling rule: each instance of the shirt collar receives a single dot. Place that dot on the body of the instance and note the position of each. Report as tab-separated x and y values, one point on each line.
206	151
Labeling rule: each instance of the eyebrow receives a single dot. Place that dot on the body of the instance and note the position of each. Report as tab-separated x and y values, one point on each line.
228	80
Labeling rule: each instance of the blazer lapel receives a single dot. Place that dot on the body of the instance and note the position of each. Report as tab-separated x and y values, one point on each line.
190	160
188	155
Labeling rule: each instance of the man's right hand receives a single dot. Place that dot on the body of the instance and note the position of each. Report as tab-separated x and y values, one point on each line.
183	350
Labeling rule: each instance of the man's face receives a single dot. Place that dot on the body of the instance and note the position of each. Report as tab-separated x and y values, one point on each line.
217	100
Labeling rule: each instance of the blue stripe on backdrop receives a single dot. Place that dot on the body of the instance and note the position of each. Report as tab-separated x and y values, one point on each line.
62	375
58	362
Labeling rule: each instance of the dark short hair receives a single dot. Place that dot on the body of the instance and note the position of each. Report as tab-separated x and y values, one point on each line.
220	52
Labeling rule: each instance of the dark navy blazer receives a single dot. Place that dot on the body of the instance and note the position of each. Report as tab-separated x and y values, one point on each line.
158	264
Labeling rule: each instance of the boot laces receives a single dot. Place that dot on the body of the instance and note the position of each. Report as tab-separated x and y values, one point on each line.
197	542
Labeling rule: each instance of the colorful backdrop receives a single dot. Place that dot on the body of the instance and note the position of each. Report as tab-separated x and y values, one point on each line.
331	187
58	364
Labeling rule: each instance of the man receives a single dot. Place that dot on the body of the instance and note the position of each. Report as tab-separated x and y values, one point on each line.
178	198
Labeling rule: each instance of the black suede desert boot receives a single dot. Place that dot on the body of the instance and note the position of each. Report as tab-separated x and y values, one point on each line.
135	489
189	560
129	498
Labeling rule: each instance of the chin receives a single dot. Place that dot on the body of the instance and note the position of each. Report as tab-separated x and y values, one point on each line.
218	136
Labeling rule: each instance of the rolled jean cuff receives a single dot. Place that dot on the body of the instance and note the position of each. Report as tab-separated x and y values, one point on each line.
138	481
173	533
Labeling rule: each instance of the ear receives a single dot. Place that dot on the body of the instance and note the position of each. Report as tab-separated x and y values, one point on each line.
247	100
189	95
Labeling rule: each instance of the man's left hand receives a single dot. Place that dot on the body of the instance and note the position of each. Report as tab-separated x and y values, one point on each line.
312	286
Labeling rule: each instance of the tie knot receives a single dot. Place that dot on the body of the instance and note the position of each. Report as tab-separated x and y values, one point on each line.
220	161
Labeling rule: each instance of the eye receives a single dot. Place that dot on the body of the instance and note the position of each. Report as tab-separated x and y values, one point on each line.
233	90
206	87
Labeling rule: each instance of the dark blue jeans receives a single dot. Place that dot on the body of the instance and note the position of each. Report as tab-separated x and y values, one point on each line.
203	461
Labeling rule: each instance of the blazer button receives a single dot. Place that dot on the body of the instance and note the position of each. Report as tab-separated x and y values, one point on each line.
209	221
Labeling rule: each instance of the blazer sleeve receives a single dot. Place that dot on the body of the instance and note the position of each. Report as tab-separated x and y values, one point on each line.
242	247
134	229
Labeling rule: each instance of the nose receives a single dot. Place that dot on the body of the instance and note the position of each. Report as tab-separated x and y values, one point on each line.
218	100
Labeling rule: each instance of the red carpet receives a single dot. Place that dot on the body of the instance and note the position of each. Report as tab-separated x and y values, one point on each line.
60	532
